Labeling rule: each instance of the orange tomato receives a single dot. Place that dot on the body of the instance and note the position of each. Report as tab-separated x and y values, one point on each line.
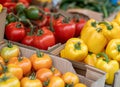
44	74
56	81
23	62
41	60
80	85
2	62
70	78
56	72
29	82
15	70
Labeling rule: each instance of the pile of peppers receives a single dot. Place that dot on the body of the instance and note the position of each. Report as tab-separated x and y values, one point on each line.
98	45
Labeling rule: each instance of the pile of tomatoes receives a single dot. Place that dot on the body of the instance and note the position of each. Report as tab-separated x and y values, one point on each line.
39	27
36	71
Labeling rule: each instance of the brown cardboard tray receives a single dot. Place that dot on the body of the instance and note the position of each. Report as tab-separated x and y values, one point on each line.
81	69
97	79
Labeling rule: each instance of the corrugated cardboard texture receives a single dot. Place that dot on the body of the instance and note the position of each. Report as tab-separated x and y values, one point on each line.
2	23
91	14
61	64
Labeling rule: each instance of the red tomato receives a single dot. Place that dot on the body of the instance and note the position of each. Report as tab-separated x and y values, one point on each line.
64	31
28	40
15	31
41	22
79	25
44	39
10	6
25	2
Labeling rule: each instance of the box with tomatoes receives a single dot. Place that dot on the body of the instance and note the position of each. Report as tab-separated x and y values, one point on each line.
31	63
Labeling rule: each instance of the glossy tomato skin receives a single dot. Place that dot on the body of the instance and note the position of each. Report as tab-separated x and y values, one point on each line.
28	82
44	74
14	69
56	81
70	78
79	25
64	31
10	81
45	40
28	40
15	31
10	6
39	62
23	62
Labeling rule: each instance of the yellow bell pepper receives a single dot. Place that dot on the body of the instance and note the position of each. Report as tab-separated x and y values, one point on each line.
91	59
117	18
1	7
111	30
113	49
109	66
93	37
75	49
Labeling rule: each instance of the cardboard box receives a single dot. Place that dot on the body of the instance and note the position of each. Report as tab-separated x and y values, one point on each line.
81	69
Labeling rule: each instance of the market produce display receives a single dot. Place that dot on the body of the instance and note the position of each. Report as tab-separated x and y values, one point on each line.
36	71
93	43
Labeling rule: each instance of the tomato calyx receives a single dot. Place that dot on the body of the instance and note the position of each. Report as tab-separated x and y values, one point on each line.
9	44
39	54
4	68
20	58
40	32
19	25
46	83
4	78
52	69
32	76
69	85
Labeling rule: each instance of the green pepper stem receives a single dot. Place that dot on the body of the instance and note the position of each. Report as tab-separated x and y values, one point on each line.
105	56
118	48
9	44
109	27
77	46
98	29
40	54
93	24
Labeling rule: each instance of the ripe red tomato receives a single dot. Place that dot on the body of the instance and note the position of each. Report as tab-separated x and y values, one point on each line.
15	31
44	39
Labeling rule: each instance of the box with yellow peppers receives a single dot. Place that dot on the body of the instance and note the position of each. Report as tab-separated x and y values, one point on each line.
98	46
